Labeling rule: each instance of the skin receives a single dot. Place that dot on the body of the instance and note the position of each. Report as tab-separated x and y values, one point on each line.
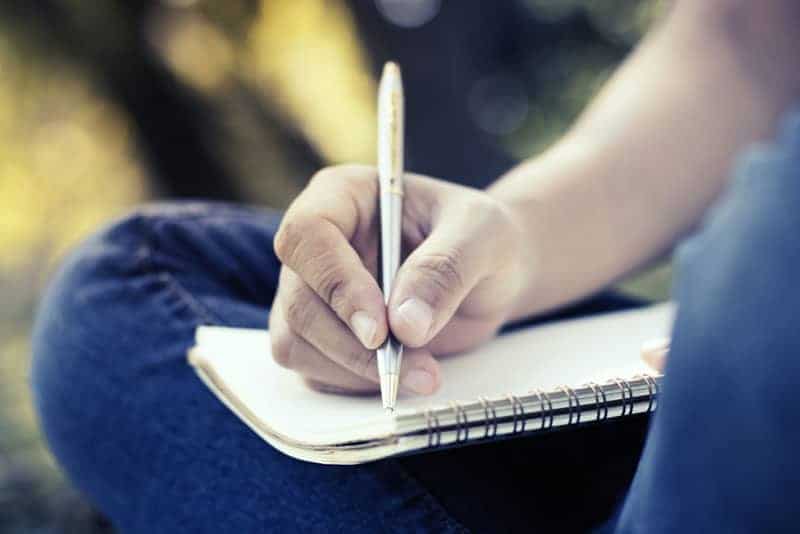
634	174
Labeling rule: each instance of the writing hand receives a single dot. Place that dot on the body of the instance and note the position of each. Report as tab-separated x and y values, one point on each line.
453	291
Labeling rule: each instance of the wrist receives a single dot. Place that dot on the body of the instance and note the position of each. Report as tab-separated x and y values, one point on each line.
558	201
521	214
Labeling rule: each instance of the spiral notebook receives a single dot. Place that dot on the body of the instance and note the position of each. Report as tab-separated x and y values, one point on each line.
538	379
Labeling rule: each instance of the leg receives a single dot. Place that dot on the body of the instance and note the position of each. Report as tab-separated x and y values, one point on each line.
140	436
722	452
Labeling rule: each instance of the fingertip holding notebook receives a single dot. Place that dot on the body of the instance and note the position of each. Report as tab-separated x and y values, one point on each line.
533	380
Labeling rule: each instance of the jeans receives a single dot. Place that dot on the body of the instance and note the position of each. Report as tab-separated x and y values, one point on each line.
150	446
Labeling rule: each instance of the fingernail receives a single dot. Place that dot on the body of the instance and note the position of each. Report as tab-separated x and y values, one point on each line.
419	381
364	326
417	314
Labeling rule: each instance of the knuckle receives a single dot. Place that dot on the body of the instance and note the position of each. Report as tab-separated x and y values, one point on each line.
290	236
443	270
325	242
345	174
325	174
333	287
299	308
476	204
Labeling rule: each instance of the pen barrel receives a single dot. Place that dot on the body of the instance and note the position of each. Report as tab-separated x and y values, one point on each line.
390	177
391	130
391	214
390	171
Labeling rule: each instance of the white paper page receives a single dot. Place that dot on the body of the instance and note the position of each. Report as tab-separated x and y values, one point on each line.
543	357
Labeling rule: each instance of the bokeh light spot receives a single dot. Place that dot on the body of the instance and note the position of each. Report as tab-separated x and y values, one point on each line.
409	13
498	104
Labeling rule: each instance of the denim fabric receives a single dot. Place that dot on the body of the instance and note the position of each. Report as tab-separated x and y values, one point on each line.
143	439
722	453
138	433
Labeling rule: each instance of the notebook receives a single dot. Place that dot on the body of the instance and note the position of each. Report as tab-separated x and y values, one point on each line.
537	379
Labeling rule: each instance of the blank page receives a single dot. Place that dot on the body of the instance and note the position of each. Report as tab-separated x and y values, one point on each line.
541	357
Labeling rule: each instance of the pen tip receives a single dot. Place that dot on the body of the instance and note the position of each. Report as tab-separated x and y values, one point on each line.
389	383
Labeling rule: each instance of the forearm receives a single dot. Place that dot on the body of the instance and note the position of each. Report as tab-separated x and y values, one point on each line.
652	151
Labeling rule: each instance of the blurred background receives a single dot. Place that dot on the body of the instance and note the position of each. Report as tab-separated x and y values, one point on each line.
105	105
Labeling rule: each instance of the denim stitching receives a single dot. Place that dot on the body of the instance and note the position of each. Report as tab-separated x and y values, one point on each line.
171	283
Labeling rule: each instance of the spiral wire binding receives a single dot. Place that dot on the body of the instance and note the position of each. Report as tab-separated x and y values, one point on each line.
623	390
599	394
652	389
461	421
544	397
519	417
517	409
490	422
430	416
539	396
627	385
571	395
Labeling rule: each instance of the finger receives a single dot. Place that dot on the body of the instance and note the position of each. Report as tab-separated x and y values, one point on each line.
423	384
433	281
314	241
419	374
292	352
310	318
655	352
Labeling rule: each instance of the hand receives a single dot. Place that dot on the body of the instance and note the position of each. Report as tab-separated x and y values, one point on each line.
655	352
453	291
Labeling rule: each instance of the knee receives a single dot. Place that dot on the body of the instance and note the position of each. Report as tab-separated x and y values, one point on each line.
92	289
747	247
126	302
94	320
118	271
736	279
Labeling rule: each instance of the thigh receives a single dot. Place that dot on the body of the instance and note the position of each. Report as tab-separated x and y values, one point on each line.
139	434
722	453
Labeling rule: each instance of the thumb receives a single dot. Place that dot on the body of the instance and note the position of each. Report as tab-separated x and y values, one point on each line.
431	284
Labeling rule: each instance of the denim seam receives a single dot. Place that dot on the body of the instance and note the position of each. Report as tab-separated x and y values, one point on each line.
220	211
200	310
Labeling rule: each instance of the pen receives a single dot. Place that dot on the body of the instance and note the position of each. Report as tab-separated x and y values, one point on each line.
390	191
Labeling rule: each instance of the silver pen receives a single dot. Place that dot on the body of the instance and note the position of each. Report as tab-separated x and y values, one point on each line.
390	177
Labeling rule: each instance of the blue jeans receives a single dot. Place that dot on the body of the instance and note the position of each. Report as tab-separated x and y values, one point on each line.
143	439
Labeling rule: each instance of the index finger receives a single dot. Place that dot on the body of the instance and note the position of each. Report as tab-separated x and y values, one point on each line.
314	242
